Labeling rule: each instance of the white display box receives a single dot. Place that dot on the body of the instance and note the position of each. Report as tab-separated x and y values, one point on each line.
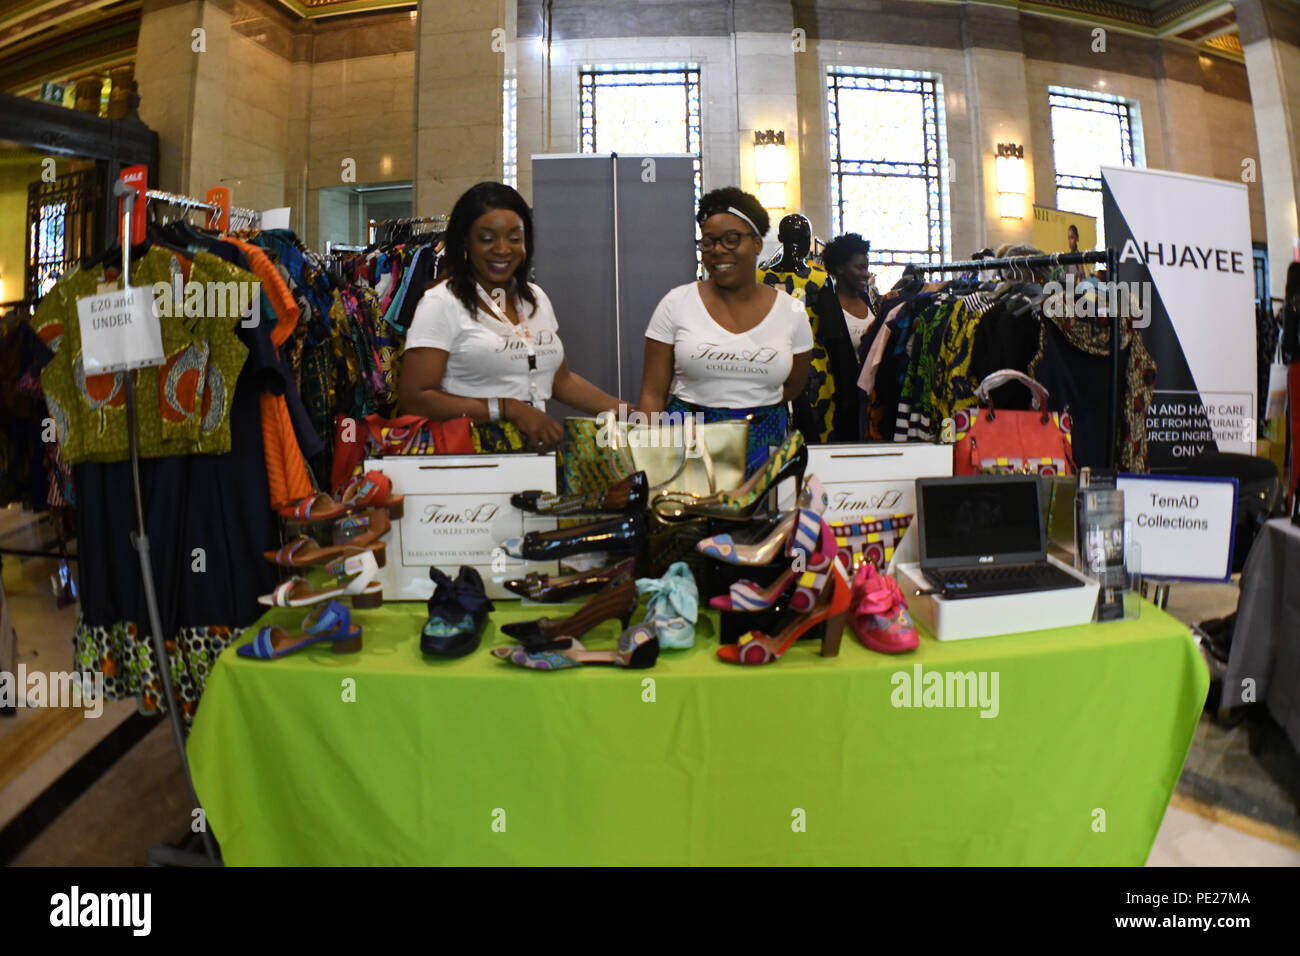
956	620
458	511
875	478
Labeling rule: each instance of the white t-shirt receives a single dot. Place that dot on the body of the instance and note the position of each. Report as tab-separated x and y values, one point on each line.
857	327
485	359
720	369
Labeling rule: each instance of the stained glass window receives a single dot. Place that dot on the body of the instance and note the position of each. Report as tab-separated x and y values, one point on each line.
642	109
510	133
47	239
1089	130
887	150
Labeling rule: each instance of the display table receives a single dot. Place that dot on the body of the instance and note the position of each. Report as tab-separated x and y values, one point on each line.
1266	637
806	761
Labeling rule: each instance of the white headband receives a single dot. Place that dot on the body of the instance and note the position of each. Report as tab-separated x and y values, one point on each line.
736	212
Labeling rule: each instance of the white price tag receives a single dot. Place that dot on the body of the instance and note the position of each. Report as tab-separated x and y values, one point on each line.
119	330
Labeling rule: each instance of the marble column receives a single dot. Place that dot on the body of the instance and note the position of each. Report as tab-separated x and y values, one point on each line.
460	65
1270	36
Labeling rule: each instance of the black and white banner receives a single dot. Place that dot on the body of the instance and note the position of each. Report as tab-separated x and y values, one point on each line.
1185	250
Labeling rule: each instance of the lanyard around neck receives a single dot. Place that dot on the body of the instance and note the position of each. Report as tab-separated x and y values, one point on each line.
495	310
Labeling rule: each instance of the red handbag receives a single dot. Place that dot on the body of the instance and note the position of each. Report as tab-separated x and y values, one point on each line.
376	437
1012	442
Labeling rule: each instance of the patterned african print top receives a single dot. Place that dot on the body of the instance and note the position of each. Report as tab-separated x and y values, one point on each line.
182	406
819	391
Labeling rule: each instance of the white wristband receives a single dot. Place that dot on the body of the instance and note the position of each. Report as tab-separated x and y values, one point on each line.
494	409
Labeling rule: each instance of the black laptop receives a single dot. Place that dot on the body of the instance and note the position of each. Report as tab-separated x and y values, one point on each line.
984	535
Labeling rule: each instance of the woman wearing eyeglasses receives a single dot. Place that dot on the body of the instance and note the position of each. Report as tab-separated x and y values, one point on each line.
729	346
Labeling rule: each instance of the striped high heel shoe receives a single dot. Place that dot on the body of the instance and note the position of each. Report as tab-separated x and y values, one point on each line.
799	532
790	460
748	596
831	606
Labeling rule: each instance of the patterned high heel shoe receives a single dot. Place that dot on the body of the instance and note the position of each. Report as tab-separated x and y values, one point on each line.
618	599
798	532
638	648
831	606
788	461
879	613
808	580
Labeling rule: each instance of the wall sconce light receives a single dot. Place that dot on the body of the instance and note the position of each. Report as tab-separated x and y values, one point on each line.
771	170
1011	181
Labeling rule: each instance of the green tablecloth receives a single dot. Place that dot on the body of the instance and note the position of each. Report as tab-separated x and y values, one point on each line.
807	761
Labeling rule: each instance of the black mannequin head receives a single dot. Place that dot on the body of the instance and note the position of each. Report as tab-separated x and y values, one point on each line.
795	233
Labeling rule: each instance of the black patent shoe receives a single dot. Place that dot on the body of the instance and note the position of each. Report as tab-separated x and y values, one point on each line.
623	497
625	535
458	613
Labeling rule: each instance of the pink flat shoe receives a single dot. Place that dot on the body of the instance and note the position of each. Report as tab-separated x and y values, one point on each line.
878	613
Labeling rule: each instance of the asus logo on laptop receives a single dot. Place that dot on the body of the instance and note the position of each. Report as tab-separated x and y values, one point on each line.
986	559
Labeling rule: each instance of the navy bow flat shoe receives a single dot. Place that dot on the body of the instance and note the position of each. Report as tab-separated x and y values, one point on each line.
458	613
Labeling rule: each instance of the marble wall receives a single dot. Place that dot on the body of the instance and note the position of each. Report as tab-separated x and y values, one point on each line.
276	105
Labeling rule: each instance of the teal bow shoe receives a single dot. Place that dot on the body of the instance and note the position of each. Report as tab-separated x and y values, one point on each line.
674	606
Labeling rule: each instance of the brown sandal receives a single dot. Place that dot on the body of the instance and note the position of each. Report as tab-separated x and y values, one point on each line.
305	552
364	529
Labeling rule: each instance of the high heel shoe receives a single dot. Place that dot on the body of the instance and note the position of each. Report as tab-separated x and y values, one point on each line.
618	599
622	497
548	589
638	648
799	531
617	535
748	596
788	461
879	615
831	606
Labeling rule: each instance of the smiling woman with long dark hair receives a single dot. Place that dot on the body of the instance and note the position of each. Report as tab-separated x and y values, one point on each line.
728	346
485	342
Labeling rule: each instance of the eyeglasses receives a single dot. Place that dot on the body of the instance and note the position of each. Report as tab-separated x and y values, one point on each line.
728	240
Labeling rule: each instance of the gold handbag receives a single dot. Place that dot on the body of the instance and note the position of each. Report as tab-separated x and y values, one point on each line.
689	458
692	458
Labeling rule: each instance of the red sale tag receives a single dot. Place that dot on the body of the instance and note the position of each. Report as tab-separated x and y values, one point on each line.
137	177
220	197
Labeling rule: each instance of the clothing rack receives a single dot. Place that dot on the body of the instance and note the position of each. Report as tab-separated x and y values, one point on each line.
1109	258
441	220
384	228
240	217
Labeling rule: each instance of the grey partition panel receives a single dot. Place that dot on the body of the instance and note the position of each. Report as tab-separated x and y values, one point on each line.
576	263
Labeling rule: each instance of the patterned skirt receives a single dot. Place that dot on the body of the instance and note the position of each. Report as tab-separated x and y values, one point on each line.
768	426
